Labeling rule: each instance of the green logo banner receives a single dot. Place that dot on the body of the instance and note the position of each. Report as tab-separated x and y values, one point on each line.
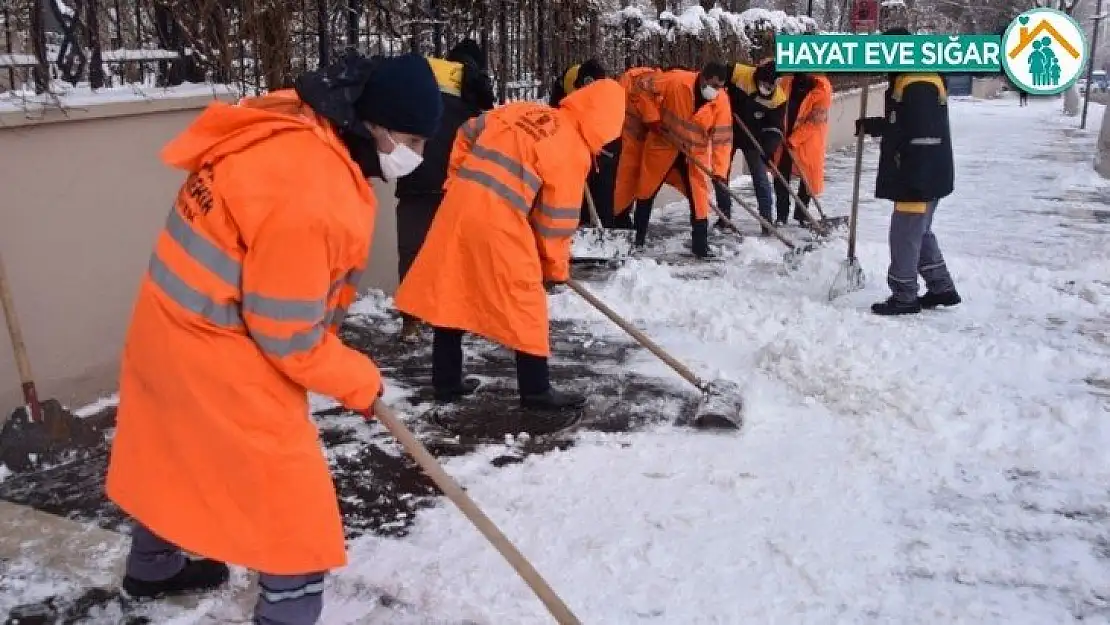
888	53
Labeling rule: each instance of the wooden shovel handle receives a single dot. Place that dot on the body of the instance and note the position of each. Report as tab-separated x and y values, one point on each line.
736	196
859	171
19	348
778	174
640	337
474	514
594	217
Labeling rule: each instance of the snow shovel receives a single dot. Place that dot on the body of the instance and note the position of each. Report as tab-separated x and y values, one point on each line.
721	407
41	432
791	258
851	277
826	223
598	244
473	513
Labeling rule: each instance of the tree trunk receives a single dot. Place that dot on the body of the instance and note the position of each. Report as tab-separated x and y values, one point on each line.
1071	101
1102	156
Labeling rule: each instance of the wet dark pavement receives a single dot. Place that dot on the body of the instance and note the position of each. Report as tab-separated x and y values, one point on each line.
381	490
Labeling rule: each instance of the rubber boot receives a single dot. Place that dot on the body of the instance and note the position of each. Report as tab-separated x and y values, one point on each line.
891	307
197	576
465	388
931	300
553	399
700	239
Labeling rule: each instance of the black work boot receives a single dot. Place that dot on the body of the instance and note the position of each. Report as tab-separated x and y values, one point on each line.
464	389
553	399
700	239
197	576
891	307
931	300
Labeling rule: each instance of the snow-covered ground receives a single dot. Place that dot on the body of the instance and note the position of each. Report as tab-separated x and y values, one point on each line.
949	467
944	468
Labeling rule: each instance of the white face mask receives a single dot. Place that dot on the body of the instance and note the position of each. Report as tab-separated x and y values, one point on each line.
766	90
709	92
399	163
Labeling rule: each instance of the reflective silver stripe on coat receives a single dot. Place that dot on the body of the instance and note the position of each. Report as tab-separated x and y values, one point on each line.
352	279
282	347
223	315
497	187
276	596
211	257
555	212
926	141
284	309
227	315
549	232
474	127
230	314
510	164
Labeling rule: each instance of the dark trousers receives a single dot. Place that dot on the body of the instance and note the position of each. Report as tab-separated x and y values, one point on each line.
1023	98
783	198
760	183
532	374
282	599
642	215
414	219
914	251
601	183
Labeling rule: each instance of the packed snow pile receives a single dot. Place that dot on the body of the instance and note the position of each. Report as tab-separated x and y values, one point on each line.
716	24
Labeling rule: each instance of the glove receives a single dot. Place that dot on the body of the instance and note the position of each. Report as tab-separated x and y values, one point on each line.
553	286
368	414
871	126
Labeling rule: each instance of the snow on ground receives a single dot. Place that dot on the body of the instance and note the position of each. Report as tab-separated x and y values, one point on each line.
943	468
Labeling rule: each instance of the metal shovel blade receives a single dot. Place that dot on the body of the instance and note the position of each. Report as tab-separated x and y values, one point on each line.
721	407
831	223
598	244
850	278
793	258
27	445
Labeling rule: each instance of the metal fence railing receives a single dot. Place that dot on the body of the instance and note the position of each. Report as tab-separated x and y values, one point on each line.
255	45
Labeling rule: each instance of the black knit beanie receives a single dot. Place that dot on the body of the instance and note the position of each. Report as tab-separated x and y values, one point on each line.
402	95
465	50
765	73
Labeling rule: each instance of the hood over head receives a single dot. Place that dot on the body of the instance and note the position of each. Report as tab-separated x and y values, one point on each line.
225	129
598	110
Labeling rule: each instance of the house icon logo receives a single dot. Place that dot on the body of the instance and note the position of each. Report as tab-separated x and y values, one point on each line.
1044	51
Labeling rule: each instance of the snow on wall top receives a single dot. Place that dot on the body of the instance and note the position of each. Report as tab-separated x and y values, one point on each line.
716	23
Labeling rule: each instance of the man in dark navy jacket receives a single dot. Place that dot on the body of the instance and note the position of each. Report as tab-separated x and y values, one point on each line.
467	91
916	170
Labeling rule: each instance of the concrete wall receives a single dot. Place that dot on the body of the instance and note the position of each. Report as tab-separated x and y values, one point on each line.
84	197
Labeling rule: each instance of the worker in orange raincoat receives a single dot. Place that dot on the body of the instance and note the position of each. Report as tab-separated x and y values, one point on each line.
603	173
691	111
513	195
806	128
235	321
640	106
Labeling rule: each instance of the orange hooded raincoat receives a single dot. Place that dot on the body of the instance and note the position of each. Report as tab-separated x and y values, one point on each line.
640	109
705	133
214	449
809	135
514	190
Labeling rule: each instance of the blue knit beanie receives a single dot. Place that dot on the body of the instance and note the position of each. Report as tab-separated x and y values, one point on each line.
402	95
